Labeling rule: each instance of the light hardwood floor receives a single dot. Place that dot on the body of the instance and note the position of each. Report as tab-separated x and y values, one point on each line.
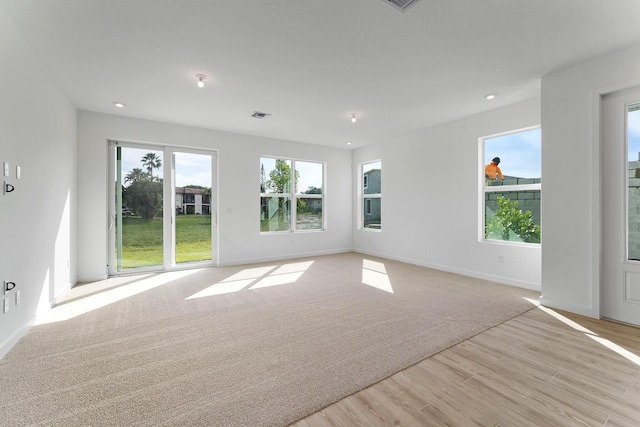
542	368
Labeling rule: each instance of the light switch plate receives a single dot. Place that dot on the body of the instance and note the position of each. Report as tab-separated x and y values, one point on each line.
6	169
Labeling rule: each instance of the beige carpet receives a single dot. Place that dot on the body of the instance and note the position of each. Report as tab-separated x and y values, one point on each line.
258	345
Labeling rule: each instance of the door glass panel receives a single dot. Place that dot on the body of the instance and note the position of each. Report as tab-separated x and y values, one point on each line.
192	207
139	234
633	180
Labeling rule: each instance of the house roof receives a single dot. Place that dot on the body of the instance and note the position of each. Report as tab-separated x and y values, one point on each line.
310	63
188	190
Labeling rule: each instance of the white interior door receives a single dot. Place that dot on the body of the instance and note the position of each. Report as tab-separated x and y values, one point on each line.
621	206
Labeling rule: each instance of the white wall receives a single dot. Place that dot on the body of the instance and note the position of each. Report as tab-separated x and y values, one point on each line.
571	226
239	172
430	200
37	220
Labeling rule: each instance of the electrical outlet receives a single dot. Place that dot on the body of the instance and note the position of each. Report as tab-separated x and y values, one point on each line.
6	305
17	297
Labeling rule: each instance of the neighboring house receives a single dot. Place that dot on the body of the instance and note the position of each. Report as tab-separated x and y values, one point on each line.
191	201
372	207
371	182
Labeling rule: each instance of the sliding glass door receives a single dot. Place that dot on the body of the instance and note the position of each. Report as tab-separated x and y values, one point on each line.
162	208
192	191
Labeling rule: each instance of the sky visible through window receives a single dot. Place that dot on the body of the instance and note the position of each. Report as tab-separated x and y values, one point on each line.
633	123
519	153
191	168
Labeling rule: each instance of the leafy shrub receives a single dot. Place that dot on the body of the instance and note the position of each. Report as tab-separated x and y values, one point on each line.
509	218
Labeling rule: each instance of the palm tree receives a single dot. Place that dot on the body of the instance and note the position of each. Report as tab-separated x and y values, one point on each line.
151	161
135	175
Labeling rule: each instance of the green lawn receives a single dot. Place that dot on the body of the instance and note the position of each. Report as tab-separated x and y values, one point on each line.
142	240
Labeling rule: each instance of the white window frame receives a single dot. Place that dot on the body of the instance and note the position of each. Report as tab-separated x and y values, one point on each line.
363	184
484	189
297	195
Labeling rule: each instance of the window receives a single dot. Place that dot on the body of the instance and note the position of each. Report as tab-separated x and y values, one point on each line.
371	195
291	195
633	173
511	173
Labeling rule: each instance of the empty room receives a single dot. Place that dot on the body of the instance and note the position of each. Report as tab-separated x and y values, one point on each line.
320	213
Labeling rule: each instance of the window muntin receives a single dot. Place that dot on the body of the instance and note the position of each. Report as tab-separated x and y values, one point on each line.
511	207
371	195
291	195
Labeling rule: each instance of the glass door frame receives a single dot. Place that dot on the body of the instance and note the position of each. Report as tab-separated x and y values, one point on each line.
168	207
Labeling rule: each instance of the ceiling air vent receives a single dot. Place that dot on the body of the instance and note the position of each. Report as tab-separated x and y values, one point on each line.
260	115
401	5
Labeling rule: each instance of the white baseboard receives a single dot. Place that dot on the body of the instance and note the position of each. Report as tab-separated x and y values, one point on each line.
474	274
8	344
572	308
62	293
282	257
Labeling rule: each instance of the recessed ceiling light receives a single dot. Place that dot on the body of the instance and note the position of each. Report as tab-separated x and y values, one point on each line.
490	96
353	117
348	142
119	104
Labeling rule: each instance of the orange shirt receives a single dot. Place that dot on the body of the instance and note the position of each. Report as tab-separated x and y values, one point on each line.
491	170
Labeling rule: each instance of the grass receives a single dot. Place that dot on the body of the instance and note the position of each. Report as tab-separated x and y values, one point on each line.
142	240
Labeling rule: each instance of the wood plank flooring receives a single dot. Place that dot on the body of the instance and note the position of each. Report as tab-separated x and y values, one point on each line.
542	368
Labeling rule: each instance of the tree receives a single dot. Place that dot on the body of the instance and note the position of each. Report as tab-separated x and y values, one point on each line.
510	218
313	190
144	193
144	197
279	181
151	161
135	175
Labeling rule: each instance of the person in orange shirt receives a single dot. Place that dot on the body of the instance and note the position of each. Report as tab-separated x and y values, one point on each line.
492	169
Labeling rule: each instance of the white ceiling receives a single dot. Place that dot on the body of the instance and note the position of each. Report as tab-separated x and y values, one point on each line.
311	63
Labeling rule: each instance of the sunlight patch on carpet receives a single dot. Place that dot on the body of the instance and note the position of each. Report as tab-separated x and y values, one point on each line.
266	276
93	302
374	274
